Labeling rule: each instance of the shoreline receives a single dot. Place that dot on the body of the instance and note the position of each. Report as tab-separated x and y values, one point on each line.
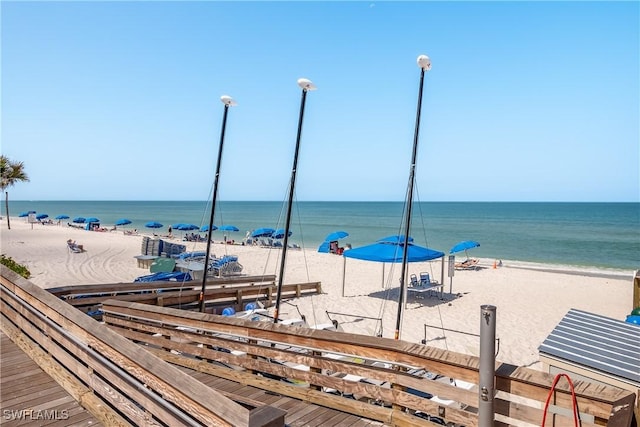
530	298
591	271
580	235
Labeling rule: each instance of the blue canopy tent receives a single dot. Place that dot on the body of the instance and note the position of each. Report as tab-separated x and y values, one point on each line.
391	249
388	250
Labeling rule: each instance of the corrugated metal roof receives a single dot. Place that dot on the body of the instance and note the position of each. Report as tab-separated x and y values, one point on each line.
602	344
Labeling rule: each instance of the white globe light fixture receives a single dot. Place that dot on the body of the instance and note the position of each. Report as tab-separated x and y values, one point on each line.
424	62
227	100
306	84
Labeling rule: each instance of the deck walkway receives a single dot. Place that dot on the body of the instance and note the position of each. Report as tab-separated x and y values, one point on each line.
28	396
299	413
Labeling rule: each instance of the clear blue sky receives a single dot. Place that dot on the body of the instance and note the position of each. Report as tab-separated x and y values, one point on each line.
526	101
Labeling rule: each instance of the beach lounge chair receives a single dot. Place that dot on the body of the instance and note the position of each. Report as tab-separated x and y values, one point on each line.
74	247
468	264
226	266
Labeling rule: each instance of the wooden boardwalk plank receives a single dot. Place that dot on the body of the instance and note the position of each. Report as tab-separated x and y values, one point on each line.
299	413
26	387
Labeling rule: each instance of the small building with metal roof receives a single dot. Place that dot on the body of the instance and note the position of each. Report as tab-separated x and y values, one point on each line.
596	348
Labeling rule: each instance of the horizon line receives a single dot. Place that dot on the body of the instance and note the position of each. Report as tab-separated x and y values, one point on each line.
327	201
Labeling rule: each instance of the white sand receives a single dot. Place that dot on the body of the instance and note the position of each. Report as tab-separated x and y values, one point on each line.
529	301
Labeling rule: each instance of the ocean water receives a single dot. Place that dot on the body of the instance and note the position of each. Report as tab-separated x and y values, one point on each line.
600	235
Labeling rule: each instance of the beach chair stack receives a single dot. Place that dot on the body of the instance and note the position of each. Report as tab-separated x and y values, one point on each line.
226	266
172	249
151	246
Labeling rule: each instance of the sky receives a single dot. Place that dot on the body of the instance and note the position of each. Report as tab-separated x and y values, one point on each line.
525	101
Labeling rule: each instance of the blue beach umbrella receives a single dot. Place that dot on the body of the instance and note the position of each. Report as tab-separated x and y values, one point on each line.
153	224
263	232
228	228
464	246
279	233
62	217
92	219
186	227
336	235
331	237
79	220
205	228
123	221
23	215
42	216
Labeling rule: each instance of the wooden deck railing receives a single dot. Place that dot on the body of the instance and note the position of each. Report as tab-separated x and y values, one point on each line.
234	291
77	290
119	382
367	376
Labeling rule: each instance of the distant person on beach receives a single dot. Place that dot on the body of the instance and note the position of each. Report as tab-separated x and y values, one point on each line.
73	245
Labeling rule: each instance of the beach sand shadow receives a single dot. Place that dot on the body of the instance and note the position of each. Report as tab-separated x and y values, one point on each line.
423	300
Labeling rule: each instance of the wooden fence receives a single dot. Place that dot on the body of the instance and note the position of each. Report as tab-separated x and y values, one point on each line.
119	382
125	372
219	293
395	382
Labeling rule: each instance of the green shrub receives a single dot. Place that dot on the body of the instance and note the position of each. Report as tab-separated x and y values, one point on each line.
18	268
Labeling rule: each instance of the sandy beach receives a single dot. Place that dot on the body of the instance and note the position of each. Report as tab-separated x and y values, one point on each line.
530	299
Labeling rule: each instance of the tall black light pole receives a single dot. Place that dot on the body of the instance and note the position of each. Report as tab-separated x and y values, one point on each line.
228	102
425	65
306	86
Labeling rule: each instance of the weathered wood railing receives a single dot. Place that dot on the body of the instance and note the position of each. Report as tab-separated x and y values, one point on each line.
213	282
119	382
378	375
219	293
